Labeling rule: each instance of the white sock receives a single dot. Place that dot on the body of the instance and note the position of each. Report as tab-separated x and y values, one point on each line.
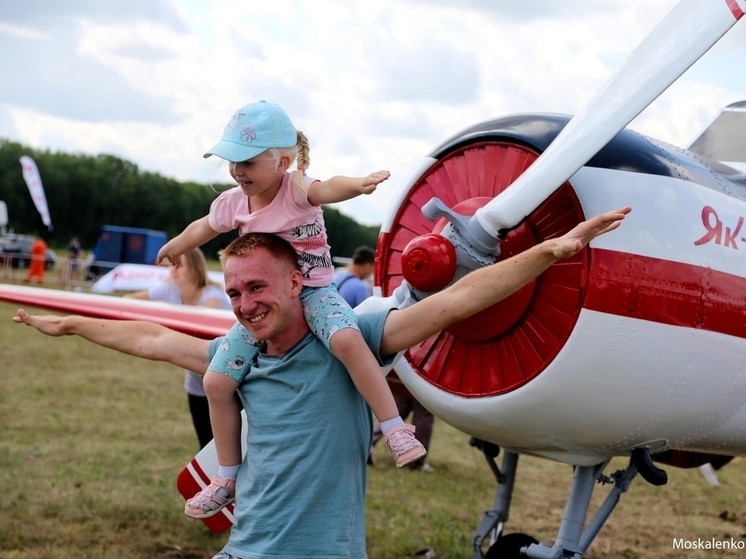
228	472
387	425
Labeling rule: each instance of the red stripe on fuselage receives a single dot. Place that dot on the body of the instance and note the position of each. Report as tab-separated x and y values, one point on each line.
667	292
734	8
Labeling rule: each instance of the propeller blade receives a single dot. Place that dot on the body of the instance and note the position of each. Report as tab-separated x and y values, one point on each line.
679	40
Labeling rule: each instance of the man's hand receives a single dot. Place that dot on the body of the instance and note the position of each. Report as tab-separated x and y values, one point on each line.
369	183
574	240
46	324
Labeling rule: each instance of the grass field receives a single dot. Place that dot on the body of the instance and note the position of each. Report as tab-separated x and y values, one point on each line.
91	442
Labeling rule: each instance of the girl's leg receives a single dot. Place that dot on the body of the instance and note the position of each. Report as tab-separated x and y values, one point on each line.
350	348
225	416
334	322
228	368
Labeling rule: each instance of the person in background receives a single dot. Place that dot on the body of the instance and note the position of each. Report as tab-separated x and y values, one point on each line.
92	269
190	285
350	282
72	268
37	266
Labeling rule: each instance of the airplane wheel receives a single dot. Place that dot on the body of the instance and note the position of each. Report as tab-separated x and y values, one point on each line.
509	546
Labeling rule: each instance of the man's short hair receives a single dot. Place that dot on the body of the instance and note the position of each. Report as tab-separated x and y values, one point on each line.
246	244
364	255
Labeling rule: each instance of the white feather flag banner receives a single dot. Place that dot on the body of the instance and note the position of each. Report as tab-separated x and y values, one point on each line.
136	277
33	181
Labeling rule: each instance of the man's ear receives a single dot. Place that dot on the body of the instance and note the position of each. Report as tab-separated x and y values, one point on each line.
296	280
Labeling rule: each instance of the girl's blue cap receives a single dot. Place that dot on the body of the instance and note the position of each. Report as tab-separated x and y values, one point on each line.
254	129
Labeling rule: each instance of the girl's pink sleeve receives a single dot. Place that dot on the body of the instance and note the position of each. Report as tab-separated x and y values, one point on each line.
300	192
222	216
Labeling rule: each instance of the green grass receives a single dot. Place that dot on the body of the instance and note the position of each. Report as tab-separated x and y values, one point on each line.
91	442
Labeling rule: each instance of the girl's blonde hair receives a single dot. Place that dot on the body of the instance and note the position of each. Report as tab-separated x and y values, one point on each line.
300	153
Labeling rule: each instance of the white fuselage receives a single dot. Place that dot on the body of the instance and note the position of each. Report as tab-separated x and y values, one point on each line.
621	382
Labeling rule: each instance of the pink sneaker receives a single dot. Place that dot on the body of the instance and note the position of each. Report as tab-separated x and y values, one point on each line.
404	446
212	499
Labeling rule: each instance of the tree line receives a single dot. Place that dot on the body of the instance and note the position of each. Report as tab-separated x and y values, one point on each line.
84	192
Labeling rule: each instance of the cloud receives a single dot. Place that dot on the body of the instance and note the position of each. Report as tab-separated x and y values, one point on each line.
7	125
51	71
50	77
373	84
534	10
432	72
50	14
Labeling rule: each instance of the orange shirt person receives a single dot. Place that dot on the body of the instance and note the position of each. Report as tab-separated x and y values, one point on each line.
37	267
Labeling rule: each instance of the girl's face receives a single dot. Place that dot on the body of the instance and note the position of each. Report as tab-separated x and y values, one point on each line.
260	174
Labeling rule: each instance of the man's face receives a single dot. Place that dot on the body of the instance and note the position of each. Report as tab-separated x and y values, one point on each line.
264	293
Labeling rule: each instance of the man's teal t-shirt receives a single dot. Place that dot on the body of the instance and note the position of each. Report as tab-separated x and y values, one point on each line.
301	487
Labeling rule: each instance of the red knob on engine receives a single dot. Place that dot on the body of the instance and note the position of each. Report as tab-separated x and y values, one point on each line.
429	262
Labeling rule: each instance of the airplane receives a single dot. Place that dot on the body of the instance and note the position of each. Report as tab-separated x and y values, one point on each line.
570	367
633	348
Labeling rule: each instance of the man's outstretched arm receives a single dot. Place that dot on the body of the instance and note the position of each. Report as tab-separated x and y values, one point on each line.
486	286
141	339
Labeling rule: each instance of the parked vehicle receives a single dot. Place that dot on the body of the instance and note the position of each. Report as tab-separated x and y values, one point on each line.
17	248
117	245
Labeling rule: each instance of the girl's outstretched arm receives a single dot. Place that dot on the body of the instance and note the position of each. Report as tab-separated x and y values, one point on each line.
339	189
196	234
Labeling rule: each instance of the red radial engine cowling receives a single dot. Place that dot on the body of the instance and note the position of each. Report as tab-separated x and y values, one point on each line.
507	345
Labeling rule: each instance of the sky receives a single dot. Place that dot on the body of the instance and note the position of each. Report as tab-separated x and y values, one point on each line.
374	85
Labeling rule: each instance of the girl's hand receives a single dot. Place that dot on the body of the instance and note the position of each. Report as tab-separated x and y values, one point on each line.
369	183
167	254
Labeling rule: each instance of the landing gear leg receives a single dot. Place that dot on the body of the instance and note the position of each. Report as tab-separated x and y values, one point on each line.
572	540
491	527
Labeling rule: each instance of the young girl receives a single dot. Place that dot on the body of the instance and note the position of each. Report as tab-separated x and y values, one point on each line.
260	143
